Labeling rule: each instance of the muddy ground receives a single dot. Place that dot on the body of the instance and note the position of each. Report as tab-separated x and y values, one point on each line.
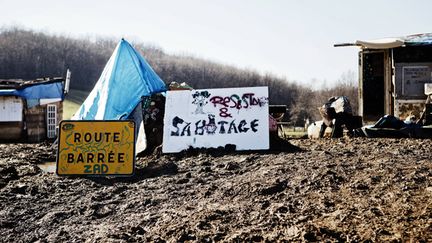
338	190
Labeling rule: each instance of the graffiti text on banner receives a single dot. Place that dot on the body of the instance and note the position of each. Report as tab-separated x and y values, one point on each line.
215	117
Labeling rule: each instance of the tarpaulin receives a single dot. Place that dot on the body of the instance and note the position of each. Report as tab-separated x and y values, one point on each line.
424	39
384	43
419	39
125	79
37	91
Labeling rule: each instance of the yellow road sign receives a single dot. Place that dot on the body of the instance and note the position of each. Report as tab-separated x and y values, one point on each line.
96	148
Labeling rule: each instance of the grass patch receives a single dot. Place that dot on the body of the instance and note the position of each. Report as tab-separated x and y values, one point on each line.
73	101
296	134
77	96
69	108
293	132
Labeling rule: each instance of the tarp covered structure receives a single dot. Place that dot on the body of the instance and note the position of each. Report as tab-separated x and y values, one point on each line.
34	92
126	78
37	91
384	43
393	42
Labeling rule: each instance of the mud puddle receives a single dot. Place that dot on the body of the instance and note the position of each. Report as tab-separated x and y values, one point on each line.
48	167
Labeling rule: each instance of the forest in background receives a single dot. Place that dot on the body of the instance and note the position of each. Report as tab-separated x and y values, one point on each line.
27	54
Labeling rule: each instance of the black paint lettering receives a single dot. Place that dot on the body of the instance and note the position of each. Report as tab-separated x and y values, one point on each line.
116	137
87	137
77	137
90	158
121	158
70	158
186	129
176	120
257	101
100	158
111	157
244	99
254	124
80	158
107	134
96	138
236	101
242	127
199	130
231	127
249	98
222	128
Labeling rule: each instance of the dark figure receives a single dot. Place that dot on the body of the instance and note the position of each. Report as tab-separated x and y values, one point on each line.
153	121
337	109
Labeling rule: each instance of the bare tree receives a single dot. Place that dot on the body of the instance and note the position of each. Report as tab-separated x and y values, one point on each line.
27	54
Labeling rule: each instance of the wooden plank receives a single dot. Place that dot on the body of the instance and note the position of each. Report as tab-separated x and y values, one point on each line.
11	131
36	124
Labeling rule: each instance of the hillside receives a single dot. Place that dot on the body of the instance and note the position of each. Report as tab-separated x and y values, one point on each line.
28	54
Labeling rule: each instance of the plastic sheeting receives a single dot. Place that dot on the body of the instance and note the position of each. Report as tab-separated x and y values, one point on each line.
418	40
393	42
381	43
37	91
125	79
424	39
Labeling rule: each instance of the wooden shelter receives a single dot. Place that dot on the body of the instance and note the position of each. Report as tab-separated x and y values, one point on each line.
30	110
392	75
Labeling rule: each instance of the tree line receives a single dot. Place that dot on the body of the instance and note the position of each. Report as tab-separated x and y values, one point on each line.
27	54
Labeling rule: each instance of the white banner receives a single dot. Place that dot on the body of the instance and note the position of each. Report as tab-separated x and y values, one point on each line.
211	118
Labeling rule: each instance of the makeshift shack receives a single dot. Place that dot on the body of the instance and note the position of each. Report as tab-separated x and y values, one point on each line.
30	110
392	75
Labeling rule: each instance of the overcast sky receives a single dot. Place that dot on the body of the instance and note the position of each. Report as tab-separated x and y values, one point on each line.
290	38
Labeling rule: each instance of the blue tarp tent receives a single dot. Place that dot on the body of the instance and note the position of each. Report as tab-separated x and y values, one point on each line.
125	79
